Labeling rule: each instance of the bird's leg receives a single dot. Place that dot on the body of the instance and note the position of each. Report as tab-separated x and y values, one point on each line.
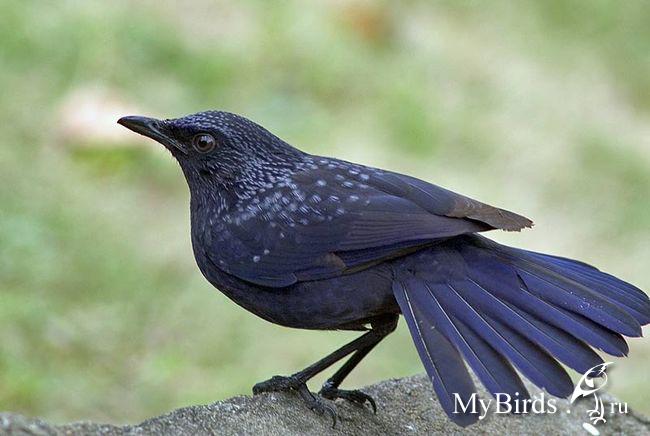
330	389
361	346
298	381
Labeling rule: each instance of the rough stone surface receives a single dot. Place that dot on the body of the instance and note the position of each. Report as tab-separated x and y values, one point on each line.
405	406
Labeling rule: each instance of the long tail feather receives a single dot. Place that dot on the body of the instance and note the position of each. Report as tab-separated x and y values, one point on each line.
503	283
493	370
610	288
562	291
556	342
615	286
531	360
441	360
501	307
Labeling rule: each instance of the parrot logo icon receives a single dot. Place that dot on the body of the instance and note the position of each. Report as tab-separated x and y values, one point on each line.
589	384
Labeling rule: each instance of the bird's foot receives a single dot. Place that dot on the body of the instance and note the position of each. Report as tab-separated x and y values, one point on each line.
280	383
354	396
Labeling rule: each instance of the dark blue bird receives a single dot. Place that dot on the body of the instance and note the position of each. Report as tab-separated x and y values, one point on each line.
319	243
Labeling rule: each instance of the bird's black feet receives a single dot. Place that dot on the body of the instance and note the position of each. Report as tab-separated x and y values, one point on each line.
331	393
280	383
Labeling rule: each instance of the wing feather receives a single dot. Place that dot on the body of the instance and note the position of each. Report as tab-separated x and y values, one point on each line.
328	219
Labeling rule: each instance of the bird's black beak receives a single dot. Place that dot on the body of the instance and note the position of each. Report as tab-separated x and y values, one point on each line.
151	128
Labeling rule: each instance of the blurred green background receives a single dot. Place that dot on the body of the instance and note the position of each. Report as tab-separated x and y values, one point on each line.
540	107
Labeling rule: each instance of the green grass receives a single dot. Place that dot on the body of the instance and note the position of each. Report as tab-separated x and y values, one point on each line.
542	107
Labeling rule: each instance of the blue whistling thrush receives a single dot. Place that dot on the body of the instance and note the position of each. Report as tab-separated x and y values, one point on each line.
315	242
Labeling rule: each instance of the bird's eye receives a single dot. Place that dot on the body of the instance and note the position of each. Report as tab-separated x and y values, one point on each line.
204	143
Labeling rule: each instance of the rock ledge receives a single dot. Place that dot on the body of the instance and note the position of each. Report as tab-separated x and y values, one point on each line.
405	406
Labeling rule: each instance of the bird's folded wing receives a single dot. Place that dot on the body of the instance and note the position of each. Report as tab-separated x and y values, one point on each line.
443	202
326	223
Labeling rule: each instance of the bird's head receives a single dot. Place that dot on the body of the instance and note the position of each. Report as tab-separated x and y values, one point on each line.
217	148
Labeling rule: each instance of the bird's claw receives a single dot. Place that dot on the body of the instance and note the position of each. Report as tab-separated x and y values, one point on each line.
318	405
354	396
280	383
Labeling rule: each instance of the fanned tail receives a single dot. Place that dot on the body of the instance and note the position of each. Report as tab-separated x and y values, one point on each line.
502	309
